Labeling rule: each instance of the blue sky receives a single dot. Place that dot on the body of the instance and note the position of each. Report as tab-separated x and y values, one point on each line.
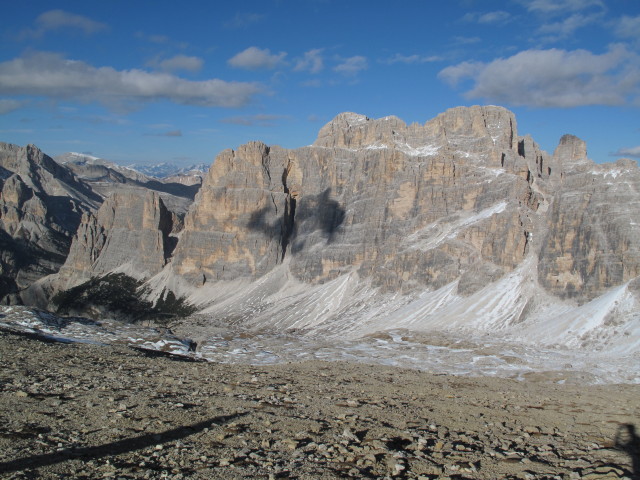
159	81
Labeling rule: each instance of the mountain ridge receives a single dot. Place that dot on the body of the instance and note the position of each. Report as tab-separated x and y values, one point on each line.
457	223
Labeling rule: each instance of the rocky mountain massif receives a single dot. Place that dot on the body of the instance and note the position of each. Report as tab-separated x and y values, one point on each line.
43	202
457	223
41	205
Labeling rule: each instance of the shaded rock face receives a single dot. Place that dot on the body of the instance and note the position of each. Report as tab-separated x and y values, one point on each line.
41	204
238	225
129	233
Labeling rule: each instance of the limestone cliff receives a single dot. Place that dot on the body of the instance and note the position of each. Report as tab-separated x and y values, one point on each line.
130	233
593	241
407	206
41	204
462	197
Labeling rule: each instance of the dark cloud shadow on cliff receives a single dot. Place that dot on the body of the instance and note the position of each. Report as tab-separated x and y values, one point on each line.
114	448
319	212
304	216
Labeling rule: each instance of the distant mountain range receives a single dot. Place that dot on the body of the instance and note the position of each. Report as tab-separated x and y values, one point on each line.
164	170
158	171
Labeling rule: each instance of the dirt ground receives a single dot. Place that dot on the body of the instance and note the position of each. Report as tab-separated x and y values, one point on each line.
88	411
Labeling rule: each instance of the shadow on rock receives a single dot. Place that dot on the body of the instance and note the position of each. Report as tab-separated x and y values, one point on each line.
308	214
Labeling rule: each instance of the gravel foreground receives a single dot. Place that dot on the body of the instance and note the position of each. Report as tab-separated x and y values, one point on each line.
88	411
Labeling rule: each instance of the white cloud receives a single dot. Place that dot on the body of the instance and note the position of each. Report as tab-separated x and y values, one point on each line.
553	78
9	105
496	17
352	65
568	26
411	59
453	74
50	75
628	152
179	62
311	62
254	58
628	27
59	20
561	6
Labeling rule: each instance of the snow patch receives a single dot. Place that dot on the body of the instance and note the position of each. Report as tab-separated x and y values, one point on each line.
419	151
436	233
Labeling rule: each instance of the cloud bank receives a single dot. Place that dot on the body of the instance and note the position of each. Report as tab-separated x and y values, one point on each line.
50	75
553	78
628	152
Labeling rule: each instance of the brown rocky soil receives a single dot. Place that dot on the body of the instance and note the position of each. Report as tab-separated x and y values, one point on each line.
87	411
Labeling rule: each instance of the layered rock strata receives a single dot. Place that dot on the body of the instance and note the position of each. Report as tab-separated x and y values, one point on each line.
377	196
130	233
413	206
593	240
41	204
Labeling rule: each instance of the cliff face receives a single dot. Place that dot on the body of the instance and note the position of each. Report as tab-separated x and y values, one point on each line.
593	241
237	225
407	206
41	204
129	233
462	197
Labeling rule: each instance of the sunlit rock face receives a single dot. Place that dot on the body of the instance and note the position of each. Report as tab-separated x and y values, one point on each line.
413	206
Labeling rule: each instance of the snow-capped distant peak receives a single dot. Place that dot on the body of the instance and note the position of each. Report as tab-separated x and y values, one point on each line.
163	170
76	157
